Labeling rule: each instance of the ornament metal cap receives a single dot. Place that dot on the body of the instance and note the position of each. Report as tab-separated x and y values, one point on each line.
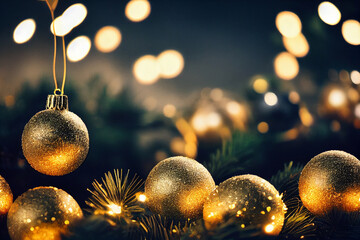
57	102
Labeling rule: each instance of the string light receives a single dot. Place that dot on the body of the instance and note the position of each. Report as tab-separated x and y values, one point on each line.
288	24
270	98
298	46
137	10
24	31
260	85
286	66
351	32
107	39
78	48
171	63
329	13
355	77
146	69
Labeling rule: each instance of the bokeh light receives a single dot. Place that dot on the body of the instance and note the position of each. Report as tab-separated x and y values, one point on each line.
351	32
72	17
357	110
234	108
298	46
203	121
305	116
263	127
355	77
286	66
260	85
288	24
171	63
137	10
294	97
337	98
329	13
107	39
78	48
169	110
146	69
24	31
270	98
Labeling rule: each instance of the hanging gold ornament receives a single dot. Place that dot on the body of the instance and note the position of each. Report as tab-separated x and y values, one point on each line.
331	181
55	141
42	213
251	200
177	188
6	197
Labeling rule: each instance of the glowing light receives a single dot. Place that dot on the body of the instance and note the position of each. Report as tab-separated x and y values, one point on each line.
78	48
329	13
146	69
357	110
234	108
270	98
142	198
171	63
24	31
336	98
216	94
213	120
305	117
294	97
9	101
351	32
335	126
269	228
288	24
203	121
298	46
286	66
114	209
263	127
177	145
355	77
260	85
169	110
137	10
107	39
72	17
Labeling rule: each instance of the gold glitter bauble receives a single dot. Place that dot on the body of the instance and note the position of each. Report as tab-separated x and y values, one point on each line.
177	188
6	197
331	181
42	213
250	200
55	141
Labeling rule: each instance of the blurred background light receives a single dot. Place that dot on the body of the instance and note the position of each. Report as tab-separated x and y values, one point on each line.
270	98
305	116
288	24
137	10
351	32
171	63
329	13
169	110
260	85
355	77
72	17
294	97
78	48
263	127
146	69
24	31
107	39
298	46
286	66
234	108
357	110
337	98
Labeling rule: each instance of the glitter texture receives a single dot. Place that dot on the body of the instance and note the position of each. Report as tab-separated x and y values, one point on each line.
331	181
177	188
253	201
42	213
55	142
6	196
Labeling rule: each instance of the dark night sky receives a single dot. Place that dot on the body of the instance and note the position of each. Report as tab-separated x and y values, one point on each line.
224	43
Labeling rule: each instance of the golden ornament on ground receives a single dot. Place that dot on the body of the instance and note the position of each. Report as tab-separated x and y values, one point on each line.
55	141
177	188
42	213
6	197
249	199
331	181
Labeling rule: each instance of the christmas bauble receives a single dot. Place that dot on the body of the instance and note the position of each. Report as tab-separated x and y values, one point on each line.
177	188
6	197
55	141
42	213
331	181
249	199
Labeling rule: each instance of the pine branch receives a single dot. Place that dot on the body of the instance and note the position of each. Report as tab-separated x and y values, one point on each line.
234	156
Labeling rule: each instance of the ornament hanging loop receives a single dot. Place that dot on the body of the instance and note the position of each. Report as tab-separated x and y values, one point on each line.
58	92
57	102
